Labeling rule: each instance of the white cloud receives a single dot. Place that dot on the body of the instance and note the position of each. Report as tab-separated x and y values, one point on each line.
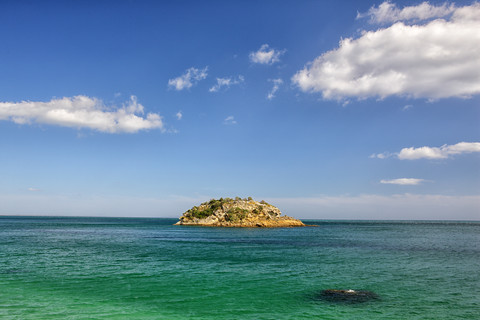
33	189
179	115
276	86
226	82
435	60
442	152
407	107
188	79
229	120
403	181
381	155
266	55
82	112
388	12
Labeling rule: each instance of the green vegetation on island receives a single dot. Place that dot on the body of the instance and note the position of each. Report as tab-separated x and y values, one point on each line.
208	208
237	212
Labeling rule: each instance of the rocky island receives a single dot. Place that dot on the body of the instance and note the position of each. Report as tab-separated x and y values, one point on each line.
226	212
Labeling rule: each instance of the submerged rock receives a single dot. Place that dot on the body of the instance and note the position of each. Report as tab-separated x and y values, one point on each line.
347	296
237	213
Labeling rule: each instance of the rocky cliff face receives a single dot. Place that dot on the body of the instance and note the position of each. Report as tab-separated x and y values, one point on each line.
237	213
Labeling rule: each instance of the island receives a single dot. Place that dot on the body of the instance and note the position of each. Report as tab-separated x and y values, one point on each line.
238	212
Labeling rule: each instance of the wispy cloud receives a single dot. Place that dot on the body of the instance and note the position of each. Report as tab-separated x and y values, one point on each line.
434	60
425	152
188	79
226	83
403	181
388	12
179	115
229	120
82	112
33	189
407	107
371	206
266	55
43	203
442	152
276	85
382	155
366	206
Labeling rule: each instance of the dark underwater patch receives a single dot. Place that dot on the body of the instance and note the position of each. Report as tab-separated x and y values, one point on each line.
346	296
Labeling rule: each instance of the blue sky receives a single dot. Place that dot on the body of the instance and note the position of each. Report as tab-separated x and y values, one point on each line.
329	110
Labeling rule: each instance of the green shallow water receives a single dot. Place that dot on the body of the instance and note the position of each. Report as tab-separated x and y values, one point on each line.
115	268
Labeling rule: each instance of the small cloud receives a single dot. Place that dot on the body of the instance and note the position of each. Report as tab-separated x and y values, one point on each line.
266	55
229	120
33	189
381	155
442	152
179	115
117	94
188	79
81	135
226	82
388	12
276	86
403	181
408	106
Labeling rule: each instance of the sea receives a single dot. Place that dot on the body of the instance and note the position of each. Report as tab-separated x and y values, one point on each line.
142	268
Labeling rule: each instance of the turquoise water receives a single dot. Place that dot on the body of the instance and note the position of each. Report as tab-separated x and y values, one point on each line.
116	268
